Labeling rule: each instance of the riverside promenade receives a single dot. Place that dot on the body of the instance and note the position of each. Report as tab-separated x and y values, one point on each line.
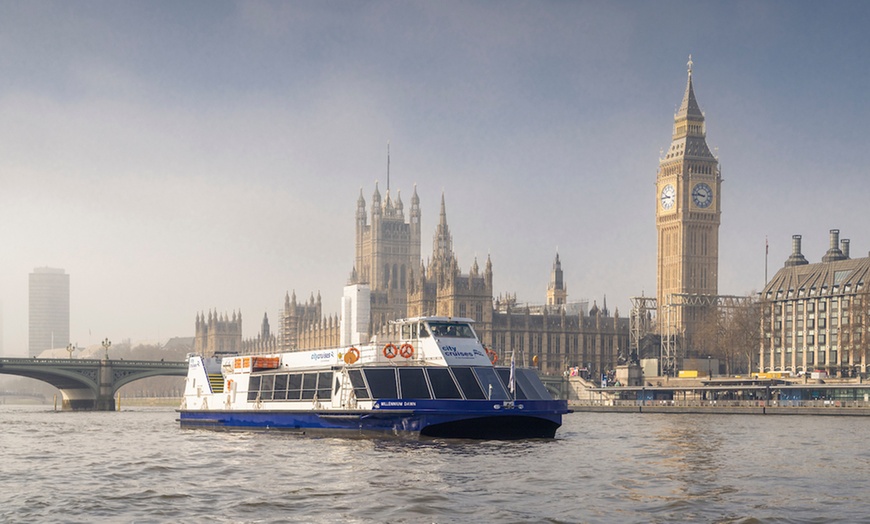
738	396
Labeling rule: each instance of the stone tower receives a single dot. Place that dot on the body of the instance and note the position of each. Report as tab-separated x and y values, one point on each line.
387	253
440	288
557	293
687	219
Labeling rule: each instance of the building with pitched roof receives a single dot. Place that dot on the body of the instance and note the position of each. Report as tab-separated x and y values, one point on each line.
814	315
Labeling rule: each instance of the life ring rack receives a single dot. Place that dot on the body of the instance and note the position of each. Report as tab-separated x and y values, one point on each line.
407	350
351	356
390	350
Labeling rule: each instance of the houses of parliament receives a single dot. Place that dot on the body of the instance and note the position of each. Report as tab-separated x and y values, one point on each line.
553	335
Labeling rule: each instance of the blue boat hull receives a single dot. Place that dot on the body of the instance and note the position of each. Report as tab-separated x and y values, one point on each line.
446	419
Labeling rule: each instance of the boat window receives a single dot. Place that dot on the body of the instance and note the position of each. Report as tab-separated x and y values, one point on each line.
424	333
337	386
492	386
505	375
382	382
294	386
442	383
450	330
413	382
267	383
530	382
253	388
280	387
309	385
323	381
406	332
359	385
529	385
468	383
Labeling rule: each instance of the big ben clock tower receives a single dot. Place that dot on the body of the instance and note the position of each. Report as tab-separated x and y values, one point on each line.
688	209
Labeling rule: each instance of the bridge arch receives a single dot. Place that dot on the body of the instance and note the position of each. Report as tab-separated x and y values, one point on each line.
89	384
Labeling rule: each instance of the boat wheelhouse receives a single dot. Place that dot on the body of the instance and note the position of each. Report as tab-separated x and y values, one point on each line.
436	379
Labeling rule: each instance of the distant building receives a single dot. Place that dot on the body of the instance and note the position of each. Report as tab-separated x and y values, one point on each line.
391	276
218	333
49	310
399	284
815	315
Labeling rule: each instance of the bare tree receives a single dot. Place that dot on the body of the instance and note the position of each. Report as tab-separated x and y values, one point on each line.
744	335
731	334
855	338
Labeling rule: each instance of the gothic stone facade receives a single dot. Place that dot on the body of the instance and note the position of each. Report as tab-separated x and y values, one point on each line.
688	210
387	258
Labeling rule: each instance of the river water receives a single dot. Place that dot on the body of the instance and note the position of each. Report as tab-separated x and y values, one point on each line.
137	465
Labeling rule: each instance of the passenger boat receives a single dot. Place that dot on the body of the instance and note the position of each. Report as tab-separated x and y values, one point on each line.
435	380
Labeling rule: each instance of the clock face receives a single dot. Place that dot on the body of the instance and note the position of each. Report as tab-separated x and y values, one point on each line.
702	195
668	197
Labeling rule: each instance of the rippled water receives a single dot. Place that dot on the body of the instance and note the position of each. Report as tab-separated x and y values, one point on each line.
138	466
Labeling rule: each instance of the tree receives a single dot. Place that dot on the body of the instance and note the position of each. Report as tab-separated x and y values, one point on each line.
744	334
732	334
855	338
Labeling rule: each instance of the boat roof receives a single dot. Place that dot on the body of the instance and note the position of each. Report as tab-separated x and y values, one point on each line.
464	320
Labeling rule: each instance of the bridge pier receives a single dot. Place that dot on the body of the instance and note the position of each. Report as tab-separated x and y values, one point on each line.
106	397
80	399
86	399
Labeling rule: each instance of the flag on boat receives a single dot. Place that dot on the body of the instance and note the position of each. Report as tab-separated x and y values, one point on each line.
513	379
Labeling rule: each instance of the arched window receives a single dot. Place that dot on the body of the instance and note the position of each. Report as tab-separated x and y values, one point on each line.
395	280
404	276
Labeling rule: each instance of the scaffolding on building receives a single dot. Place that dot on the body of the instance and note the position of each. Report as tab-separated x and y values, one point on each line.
673	336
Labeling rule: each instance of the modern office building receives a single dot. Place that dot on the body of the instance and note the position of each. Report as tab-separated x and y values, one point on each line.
49	310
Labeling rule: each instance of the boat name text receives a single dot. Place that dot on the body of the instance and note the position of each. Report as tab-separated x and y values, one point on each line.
456	353
397	404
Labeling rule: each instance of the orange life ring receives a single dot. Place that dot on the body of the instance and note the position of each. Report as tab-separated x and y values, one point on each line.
493	356
390	351
229	385
351	356
407	350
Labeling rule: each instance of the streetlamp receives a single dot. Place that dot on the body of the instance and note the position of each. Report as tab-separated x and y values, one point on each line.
106	345
70	348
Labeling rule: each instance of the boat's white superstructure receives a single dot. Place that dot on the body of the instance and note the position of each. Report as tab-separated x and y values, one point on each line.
434	378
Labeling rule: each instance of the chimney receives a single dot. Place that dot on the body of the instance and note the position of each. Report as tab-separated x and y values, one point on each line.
834	252
796	258
844	247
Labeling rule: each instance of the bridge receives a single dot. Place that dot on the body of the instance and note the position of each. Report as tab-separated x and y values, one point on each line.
17	394
89	384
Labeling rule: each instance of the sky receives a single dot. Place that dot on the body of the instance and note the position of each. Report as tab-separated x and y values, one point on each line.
181	157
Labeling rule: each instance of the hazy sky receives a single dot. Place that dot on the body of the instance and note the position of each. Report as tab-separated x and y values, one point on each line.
175	157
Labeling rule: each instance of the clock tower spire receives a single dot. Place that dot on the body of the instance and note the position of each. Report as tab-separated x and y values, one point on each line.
688	209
